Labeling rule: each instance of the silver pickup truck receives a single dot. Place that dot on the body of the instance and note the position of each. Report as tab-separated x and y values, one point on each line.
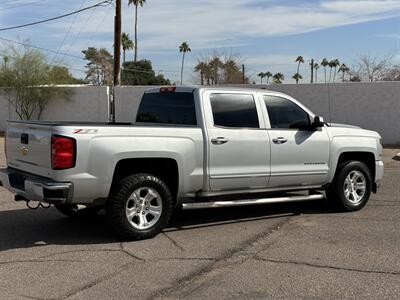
191	148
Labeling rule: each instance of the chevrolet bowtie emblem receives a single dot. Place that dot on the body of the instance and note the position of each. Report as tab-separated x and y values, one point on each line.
24	150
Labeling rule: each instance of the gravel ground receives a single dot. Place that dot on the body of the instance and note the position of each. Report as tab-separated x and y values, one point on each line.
298	250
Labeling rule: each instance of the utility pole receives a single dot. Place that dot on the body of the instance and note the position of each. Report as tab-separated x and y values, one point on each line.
312	70
243	75
117	54
117	43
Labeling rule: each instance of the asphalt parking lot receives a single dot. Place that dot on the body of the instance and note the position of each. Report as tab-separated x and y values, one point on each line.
301	250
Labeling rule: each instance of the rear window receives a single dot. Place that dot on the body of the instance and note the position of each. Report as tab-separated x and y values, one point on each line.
167	108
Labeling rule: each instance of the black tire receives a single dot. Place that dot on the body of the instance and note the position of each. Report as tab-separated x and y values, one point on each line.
71	210
336	191
117	203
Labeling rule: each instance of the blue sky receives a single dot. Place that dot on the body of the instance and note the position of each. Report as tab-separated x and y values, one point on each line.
266	34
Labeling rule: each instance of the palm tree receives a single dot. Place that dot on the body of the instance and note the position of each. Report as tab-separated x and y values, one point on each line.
336	63
344	69
297	77
325	63
127	44
262	75
136	3
278	78
201	67
184	47
299	60
316	67
268	74
230	70
215	65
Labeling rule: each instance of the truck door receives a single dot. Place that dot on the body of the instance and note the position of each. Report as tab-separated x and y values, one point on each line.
238	146
299	153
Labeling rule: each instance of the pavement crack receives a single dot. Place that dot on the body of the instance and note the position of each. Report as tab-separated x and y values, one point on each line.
292	262
188	284
175	243
123	250
96	281
184	258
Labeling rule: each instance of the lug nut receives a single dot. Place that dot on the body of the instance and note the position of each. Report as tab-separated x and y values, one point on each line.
143	213
138	211
141	201
147	208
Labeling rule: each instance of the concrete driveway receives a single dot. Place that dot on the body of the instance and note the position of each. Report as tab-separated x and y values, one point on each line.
273	251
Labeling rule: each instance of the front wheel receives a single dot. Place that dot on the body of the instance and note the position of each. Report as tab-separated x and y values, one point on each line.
140	207
351	187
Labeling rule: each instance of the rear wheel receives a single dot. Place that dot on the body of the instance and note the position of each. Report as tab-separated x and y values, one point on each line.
140	207
351	187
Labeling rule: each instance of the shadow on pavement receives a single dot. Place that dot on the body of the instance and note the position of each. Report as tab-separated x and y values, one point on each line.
25	228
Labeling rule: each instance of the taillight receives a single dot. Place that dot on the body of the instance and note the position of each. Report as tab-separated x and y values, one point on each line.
168	89
63	152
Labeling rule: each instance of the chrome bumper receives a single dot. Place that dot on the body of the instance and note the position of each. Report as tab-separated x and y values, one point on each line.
35	188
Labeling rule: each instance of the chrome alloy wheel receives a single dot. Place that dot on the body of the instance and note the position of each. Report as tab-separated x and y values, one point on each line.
144	208
355	186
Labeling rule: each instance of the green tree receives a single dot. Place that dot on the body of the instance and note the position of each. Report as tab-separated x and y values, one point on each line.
278	78
184	48
325	63
220	68
126	43
216	64
136	3
344	69
299	60
297	77
100	66
141	73
262	75
61	75
335	63
201	67
268	74
29	82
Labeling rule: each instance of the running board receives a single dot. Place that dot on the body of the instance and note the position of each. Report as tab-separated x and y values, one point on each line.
215	204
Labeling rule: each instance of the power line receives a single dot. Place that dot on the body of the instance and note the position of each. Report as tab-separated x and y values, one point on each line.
106	2
80	31
40	48
81	58
106	13
69	30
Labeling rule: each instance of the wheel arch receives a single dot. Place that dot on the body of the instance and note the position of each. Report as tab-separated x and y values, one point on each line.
164	168
366	157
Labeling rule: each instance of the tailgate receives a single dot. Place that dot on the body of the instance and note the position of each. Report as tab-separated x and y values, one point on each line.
28	147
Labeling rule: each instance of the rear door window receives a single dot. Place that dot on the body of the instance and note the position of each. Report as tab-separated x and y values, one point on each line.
234	110
167	108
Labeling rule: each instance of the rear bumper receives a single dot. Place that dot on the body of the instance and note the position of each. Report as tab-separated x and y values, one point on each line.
35	188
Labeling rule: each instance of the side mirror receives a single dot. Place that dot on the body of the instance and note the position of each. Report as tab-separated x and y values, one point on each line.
318	122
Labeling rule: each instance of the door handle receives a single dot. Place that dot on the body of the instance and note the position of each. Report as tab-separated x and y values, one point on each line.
279	140
219	140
